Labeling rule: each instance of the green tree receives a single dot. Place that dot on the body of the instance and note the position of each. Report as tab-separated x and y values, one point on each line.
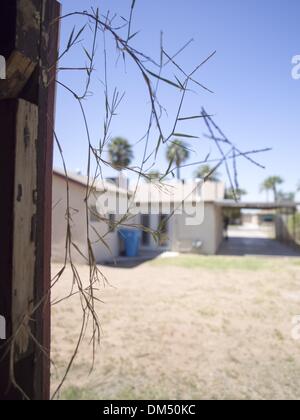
286	196
120	153
178	153
207	172
237	193
271	184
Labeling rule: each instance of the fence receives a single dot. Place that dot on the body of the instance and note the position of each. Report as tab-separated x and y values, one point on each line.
294	227
288	227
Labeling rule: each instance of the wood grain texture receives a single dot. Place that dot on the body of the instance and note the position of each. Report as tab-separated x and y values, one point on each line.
20	23
19	69
25	189
28	40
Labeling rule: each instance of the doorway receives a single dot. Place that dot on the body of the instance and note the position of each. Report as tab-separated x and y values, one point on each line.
146	225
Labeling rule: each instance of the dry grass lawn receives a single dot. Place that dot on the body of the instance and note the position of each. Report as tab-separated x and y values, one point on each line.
186	328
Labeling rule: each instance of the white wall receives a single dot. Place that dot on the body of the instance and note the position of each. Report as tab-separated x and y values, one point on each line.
59	222
78	225
182	235
105	244
212	191
209	233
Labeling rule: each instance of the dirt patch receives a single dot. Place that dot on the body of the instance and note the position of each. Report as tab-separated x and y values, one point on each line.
180	333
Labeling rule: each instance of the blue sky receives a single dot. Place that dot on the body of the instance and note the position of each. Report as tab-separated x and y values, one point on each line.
255	101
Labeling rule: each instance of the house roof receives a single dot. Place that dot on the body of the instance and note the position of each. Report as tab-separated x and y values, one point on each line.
100	184
177	192
168	192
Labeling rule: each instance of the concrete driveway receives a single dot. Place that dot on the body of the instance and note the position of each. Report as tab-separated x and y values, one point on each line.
255	240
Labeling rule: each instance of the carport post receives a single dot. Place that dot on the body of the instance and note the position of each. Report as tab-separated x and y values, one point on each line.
28	41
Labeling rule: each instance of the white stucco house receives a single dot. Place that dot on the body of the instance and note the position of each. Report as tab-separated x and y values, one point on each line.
78	212
188	214
194	221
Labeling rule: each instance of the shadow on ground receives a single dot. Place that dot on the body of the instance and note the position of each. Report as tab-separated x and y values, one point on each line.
242	246
132	262
243	241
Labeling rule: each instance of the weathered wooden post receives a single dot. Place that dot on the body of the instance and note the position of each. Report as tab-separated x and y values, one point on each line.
29	43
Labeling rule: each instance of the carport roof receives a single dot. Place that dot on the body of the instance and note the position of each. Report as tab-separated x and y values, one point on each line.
255	205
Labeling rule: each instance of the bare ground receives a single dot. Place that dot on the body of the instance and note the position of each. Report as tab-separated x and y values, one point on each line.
183	331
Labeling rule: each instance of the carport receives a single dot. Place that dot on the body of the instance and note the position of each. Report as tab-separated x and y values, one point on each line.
258	241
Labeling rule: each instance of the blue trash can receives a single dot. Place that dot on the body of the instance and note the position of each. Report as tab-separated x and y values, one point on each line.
131	240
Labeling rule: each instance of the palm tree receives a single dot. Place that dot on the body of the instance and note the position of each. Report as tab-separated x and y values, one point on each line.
208	173
235	194
178	152
271	184
120	153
